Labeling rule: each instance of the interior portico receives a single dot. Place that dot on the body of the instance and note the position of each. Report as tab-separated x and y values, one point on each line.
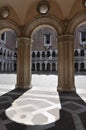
44	108
65	29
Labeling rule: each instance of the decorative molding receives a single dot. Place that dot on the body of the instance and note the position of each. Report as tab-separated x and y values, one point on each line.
66	21
6	24
4	12
76	21
65	38
43	7
44	20
84	3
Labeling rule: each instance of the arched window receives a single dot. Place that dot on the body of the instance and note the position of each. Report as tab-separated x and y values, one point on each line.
33	67
0	66
11	55
43	54
4	66
43	66
53	54
76	67
53	67
48	66
82	53
82	66
48	53
7	66
15	67
1	52
8	54
33	54
15	55
38	54
38	66
76	53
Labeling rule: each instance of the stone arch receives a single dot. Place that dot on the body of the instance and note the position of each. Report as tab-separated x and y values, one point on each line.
8	24
46	20
76	21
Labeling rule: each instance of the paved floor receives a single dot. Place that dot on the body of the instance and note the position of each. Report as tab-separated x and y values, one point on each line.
42	108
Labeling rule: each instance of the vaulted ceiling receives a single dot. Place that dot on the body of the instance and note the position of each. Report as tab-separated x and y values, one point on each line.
23	11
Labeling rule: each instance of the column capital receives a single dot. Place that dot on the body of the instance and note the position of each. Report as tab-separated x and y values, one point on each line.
65	37
22	39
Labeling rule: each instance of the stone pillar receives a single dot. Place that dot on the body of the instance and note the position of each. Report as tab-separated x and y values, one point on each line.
66	63
24	63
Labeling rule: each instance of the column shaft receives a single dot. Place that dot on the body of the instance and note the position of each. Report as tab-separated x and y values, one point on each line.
24	63
66	63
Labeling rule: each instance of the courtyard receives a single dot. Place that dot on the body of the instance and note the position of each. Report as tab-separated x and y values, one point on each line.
40	107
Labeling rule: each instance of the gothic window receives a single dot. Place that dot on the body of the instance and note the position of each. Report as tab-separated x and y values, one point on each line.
38	66
43	66
0	65
43	54
76	66
53	67
82	66
33	67
33	55
76	53
53	54
38	54
82	53
48	53
48	66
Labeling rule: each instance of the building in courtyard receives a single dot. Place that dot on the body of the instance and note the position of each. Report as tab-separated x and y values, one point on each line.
7	52
44	50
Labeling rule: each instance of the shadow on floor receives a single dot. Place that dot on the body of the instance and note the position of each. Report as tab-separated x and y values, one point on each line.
72	114
5	102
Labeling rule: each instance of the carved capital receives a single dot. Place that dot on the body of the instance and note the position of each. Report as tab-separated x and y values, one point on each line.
24	40
65	38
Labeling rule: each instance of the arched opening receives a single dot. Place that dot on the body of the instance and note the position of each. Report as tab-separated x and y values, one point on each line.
43	54
43	66
48	53
0	66
15	67
76	53
33	67
82	53
38	54
48	66
80	46
45	45
76	67
82	66
38	66
53	54
53	67
33	54
8	44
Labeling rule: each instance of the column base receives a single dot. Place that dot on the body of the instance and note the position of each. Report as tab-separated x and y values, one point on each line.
65	89
23	86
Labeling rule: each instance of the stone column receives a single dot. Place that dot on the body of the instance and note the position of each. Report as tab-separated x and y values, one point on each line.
24	63
66	63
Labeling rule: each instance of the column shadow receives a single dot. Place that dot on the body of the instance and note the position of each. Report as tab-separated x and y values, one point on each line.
72	114
6	101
